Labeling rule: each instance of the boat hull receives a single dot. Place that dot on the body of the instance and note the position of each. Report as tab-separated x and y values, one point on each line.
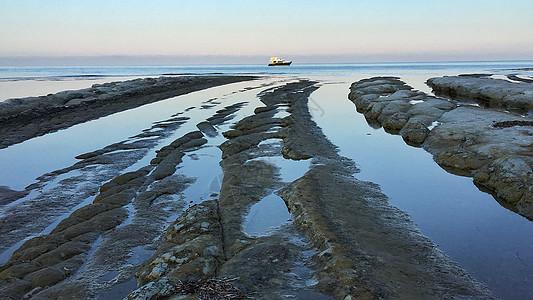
280	64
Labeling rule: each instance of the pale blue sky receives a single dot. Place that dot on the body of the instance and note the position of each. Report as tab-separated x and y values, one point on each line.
361	29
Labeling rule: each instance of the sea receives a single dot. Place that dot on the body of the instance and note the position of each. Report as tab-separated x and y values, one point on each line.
16	82
492	243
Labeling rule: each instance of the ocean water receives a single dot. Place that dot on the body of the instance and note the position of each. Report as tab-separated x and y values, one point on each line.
372	69
18	82
490	242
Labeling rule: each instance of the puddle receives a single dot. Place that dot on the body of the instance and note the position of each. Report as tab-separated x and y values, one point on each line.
433	125
131	212
89	255
266	215
118	291
139	255
490	242
290	170
281	114
302	277
202	164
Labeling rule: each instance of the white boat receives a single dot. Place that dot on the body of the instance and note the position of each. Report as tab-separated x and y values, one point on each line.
274	61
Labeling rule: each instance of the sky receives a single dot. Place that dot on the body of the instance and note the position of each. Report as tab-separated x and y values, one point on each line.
151	32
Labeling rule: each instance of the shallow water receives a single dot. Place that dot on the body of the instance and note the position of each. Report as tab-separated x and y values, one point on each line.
40	87
22	163
266	215
492	243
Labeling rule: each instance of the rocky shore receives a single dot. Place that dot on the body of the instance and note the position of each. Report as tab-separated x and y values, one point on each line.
494	147
513	94
344	241
25	118
369	251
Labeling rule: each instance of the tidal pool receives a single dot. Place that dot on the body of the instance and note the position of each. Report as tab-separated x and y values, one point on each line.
490	242
22	163
266	215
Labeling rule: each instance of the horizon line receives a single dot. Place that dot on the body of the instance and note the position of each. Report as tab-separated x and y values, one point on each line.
183	60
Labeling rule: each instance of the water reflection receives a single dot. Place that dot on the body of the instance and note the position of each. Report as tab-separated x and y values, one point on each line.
266	215
492	243
22	163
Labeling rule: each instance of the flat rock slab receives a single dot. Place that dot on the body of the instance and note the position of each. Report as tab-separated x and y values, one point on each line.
486	91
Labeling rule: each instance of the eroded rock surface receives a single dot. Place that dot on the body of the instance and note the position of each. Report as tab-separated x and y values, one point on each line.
397	107
55	265
212	232
363	248
500	159
44	261
344	241
489	92
494	147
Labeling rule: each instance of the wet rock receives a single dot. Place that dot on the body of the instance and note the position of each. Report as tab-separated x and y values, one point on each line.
171	155
260	268
499	158
207	129
193	144
167	166
244	142
468	141
18	117
224	114
192	247
354	248
414	132
511	177
189	141
162	287
261	109
354	258
486	91
48	259
394	105
8	195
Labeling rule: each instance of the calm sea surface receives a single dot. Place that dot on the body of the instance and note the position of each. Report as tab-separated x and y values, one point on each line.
371	69
18	82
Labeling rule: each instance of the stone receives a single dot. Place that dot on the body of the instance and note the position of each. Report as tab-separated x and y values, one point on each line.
485	90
